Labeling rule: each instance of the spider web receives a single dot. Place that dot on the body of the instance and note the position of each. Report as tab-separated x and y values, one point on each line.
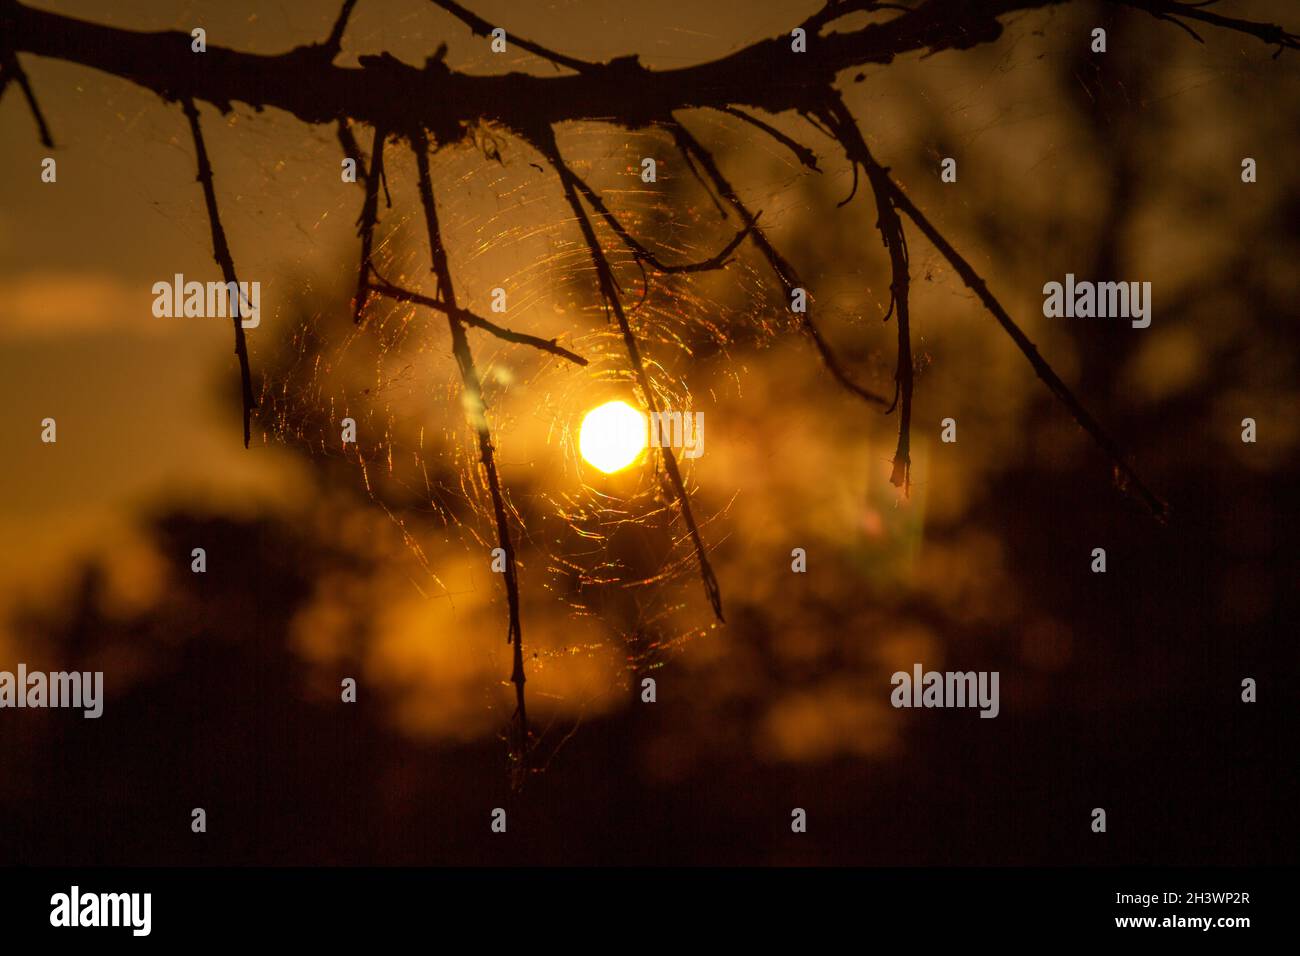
614	548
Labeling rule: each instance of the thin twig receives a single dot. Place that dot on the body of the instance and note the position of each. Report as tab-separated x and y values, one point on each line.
334	43
383	287
801	152
1125	474
699	178
478	416
609	291
221	252
12	70
366	221
352	150
1269	33
716	261
785	272
481	27
842	123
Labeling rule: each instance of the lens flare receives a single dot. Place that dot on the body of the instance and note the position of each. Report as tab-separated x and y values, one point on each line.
612	436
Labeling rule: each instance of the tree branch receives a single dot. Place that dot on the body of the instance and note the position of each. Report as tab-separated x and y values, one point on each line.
716	261
367	220
334	43
805	155
764	75
351	149
841	122
11	69
478	416
1172	10
784	271
221	252
434	101
1126	476
386	288
545	140
481	27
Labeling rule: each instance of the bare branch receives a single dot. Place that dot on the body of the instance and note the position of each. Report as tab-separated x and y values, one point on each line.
801	152
334	43
385	288
478	415
545	139
11	69
699	178
842	123
716	261
1172	10
351	149
446	102
366	222
221	252
481	27
784	271
763	75
1125	474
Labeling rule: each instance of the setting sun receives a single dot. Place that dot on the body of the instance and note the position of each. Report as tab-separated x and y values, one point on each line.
612	436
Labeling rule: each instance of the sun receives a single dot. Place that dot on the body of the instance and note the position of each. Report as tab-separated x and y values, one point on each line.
612	436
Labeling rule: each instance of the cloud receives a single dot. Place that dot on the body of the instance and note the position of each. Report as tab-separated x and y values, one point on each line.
52	304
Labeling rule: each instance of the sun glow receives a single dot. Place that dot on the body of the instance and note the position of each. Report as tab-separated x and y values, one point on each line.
612	436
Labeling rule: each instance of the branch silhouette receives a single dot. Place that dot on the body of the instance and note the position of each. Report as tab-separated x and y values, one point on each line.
785	273
221	252
478	415
840	121
384	91
383	287
11	71
545	140
367	220
432	106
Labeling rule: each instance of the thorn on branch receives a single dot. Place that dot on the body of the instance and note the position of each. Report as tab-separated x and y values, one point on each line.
853	191
1182	26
